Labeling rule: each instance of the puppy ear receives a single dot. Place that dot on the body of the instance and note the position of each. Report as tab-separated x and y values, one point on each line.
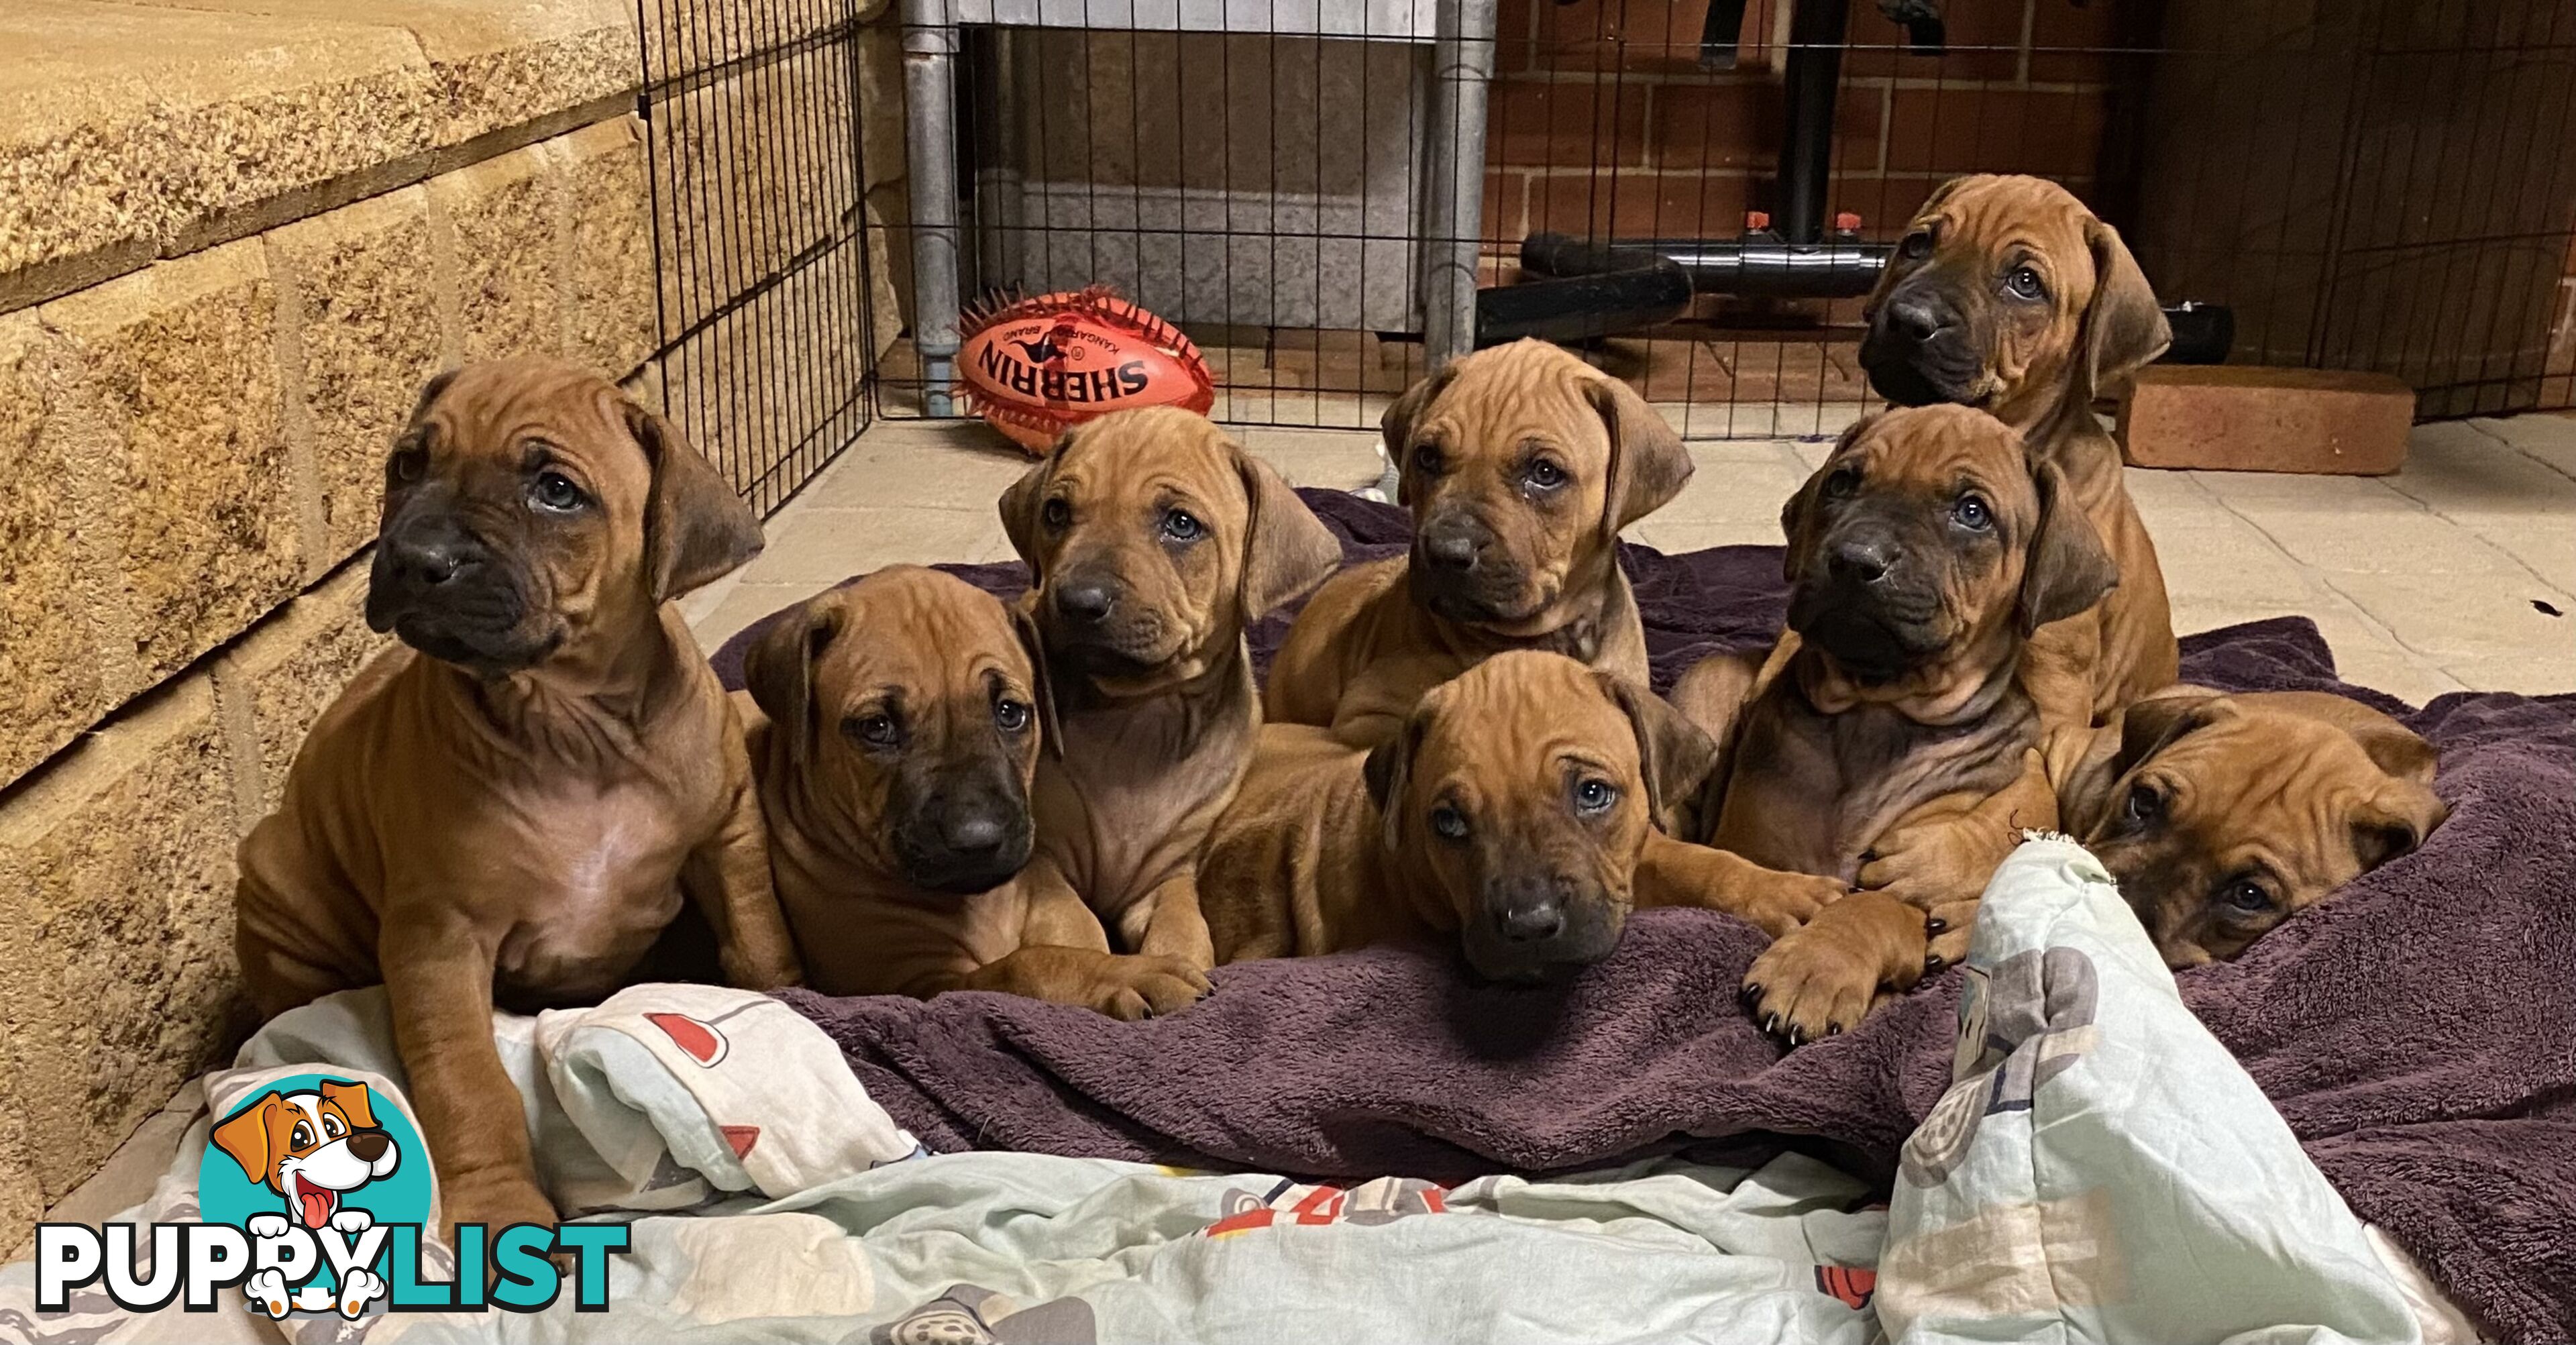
2124	328
2067	568
1388	768
1041	685
1648	465
1287	551
1798	516
2395	821
2149	726
244	1136
1397	424
353	1101
1020	505
696	529
1673	754
778	669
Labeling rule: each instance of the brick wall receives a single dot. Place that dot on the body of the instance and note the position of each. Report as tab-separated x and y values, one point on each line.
1603	123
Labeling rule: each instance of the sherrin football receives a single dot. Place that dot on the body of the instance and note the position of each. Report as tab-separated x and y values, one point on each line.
1035	368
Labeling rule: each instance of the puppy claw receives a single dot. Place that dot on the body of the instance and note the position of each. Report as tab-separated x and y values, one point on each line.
1833	1029
1933	962
1933	924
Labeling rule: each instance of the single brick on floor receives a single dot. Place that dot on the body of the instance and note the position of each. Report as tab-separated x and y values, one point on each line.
2257	418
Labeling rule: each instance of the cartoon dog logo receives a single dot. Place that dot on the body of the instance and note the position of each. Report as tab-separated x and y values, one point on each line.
311	1148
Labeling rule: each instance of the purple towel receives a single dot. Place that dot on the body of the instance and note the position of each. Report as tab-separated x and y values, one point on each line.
2418	1031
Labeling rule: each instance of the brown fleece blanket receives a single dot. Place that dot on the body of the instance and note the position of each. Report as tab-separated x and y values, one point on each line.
2418	1031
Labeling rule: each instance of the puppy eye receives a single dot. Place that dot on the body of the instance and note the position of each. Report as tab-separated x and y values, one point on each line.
1181	527
1056	512
873	730
408	465
1915	246
1543	474
1427	458
1449	823
2142	805
1972	513
555	491
1012	715
2246	897
1843	482
301	1137
2024	283
1594	796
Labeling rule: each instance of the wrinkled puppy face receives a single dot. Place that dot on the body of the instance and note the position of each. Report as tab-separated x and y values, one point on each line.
531	509
1925	538
1521	464
913	707
2006	293
2226	815
1522	790
1153	540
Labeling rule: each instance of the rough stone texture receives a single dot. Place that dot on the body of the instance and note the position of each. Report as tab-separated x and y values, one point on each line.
115	889
125	130
611	264
498	219
684	37
49	684
756	171
356	295
284	674
2254	418
177	365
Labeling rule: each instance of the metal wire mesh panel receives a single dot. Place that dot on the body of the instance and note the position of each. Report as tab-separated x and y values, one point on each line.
1697	193
750	108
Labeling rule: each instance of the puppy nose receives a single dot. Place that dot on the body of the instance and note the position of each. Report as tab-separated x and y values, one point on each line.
1865	559
1084	602
1531	922
368	1145
973	831
1450	550
1916	319
428	562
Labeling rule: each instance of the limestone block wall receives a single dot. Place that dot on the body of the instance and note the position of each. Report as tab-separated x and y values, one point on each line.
235	238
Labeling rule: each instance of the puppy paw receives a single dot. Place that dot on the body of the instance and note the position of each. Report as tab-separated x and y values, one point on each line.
1145	985
1950	929
1783	902
358	1288
1821	979
265	1226
1936	864
267	1288
352	1221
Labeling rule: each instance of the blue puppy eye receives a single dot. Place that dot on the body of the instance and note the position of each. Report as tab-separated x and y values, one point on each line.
1972	513
1544	475
1593	796
1181	527
2024	283
1012	715
2248	896
555	491
1449	823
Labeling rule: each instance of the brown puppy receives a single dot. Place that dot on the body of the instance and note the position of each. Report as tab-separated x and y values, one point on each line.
1922	555
895	733
2222	816
2008	295
1515	809
512	807
1153	542
1520	464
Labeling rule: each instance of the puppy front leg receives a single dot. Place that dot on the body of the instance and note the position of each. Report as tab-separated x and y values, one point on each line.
1064	958
1939	857
1175	926
2059	665
1822	978
729	878
438	976
1678	873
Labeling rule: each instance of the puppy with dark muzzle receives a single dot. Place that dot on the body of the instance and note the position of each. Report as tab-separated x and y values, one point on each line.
1521	465
895	728
1153	543
1921	556
2222	816
512	807
2007	294
1514	810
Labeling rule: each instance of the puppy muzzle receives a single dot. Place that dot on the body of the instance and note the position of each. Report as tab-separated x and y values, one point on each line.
439	588
1094	622
963	835
1532	926
1461	570
1866	603
1920	348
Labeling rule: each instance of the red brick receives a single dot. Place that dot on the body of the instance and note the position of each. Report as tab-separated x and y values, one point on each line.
1638	204
2256	418
1506	206
1981	130
1983	42
1567	125
2074	43
1659	36
1735	123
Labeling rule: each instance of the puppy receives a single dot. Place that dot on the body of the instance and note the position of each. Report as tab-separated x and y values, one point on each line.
1515	810
2008	295
512	806
895	728
311	1148
1922	555
2222	816
1153	543
1520	464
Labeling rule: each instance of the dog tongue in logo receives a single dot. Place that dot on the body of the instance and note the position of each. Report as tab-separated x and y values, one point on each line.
313	1204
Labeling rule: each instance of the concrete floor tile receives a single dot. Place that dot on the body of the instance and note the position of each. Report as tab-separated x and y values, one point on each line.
2160	494
2530	674
2215	555
2468	618
746	604
1674	535
2399	673
919	471
2418	542
1734	492
825	546
1331	459
2252	492
2550	438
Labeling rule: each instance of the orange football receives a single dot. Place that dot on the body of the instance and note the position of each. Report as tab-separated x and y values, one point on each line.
1034	368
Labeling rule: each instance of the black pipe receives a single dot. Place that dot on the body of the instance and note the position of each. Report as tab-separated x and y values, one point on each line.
1751	267
1586	306
1814	68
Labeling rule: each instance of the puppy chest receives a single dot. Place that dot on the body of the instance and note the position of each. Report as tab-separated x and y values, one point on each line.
592	892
